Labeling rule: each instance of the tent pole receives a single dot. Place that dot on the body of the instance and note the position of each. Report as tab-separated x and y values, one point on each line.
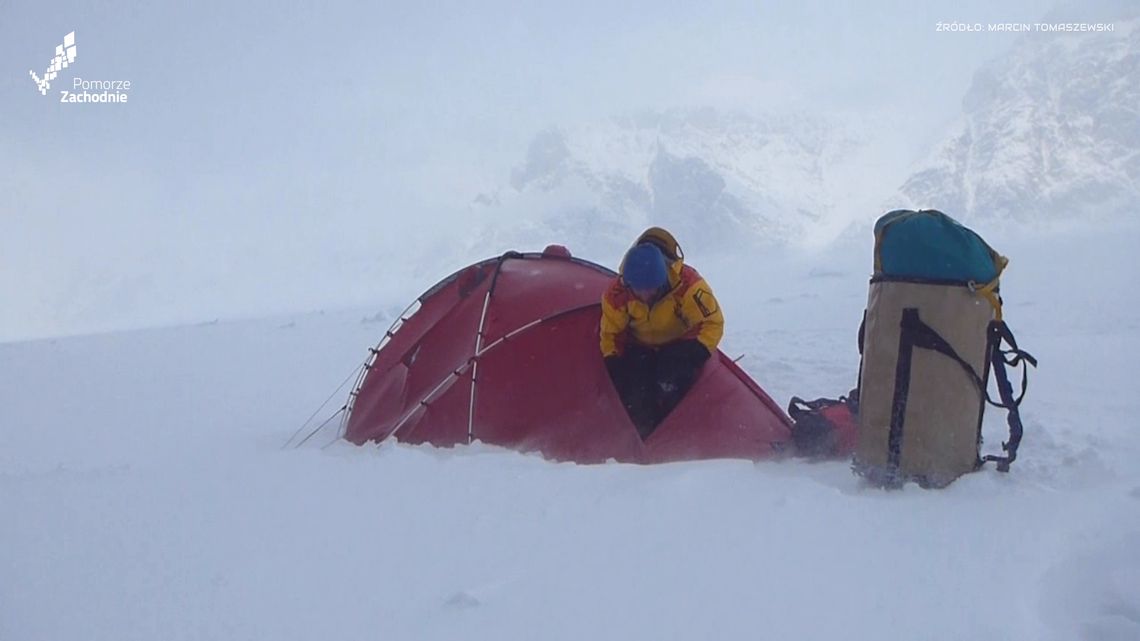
426	399
479	341
475	367
453	376
373	352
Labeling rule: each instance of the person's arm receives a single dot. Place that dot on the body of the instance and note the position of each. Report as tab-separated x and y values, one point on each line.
702	311
615	319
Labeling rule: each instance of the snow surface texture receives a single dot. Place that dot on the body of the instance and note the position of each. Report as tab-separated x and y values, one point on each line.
144	494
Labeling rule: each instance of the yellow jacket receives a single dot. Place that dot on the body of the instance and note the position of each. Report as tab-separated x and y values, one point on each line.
688	310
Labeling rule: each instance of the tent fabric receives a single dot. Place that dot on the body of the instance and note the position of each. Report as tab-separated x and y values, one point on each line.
505	352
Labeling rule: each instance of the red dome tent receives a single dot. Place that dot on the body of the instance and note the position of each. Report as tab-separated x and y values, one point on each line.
506	352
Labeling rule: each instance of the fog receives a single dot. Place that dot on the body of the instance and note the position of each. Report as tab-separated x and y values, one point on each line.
276	157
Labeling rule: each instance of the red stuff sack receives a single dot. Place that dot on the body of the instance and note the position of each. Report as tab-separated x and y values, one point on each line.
825	427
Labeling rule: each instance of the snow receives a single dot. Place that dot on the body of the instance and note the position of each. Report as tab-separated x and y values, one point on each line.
144	493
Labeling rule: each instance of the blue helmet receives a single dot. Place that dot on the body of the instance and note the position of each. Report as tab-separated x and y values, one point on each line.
645	268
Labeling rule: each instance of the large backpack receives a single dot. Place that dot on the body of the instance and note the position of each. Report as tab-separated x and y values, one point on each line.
932	333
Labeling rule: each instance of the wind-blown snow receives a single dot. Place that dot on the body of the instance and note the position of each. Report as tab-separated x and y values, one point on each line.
761	180
144	494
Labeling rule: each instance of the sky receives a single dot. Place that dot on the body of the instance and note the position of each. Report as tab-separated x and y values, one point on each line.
276	157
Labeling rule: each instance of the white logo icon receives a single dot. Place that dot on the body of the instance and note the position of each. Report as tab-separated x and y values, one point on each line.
64	56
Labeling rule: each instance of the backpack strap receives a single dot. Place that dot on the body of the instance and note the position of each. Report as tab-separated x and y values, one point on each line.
797	407
989	291
916	333
999	333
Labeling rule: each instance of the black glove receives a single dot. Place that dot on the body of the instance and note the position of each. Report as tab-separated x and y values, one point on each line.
683	355
613	366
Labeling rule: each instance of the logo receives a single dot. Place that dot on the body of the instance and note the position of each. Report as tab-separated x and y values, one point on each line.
64	56
706	302
82	91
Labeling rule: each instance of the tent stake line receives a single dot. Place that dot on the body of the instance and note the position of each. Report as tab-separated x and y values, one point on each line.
359	369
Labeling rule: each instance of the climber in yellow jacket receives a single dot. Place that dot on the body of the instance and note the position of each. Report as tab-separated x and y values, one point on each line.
660	323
